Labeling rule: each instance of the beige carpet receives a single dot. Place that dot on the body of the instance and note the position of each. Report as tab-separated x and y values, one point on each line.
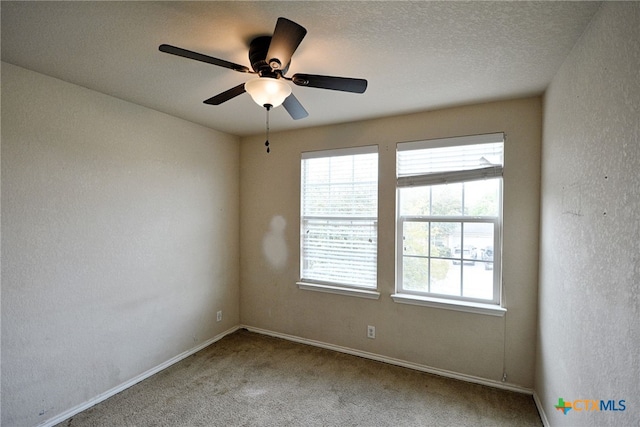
247	379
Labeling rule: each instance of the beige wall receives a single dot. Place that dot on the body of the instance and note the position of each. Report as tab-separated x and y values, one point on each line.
119	237
589	321
472	344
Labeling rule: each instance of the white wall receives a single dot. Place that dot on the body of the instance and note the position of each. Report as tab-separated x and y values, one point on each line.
120	241
589	321
471	344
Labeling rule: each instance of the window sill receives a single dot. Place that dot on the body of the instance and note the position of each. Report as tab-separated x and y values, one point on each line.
352	292
448	304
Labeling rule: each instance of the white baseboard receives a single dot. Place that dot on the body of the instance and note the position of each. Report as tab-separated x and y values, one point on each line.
107	394
397	362
543	415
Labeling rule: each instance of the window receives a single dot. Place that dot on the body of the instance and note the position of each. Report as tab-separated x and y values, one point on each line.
339	218
449	194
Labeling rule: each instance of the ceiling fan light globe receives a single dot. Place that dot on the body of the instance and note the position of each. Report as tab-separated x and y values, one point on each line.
267	91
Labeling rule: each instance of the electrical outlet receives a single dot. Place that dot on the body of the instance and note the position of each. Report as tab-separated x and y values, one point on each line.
371	331
219	316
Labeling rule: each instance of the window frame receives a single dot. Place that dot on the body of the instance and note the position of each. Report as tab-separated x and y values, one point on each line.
433	299
314	284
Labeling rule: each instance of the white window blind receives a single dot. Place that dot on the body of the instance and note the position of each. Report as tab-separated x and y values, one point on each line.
450	160
339	217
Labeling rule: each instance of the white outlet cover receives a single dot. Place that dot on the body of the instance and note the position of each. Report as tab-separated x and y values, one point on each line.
371	331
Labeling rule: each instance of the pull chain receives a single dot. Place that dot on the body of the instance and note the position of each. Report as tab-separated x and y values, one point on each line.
266	143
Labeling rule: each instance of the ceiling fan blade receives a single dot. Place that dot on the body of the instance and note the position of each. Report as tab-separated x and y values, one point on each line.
344	84
294	108
203	58
285	40
226	95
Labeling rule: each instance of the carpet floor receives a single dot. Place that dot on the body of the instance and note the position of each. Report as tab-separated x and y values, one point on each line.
248	379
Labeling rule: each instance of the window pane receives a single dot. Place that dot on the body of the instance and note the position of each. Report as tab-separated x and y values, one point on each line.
444	236
415	201
416	238
482	198
447	281
415	274
477	236
447	200
478	282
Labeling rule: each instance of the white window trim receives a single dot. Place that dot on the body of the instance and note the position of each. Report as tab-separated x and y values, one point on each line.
490	308
448	304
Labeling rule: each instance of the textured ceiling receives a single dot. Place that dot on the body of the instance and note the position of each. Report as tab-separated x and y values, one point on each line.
416	55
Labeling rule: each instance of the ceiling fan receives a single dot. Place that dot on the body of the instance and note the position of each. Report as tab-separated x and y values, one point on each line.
270	57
